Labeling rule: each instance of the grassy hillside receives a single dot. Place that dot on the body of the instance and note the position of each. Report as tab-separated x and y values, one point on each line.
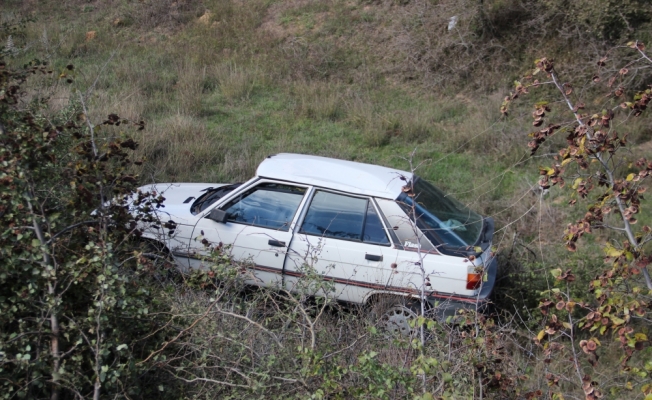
221	84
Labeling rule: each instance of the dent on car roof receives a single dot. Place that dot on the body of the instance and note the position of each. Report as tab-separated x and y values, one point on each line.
347	176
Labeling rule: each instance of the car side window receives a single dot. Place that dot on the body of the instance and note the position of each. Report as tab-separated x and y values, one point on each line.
343	217
374	232
269	205
403	227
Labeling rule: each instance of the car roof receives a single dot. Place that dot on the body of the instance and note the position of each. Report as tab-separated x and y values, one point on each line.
346	176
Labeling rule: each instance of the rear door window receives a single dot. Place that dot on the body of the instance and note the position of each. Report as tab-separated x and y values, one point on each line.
374	232
339	216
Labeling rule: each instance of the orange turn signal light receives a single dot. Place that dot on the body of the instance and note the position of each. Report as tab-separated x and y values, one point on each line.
473	281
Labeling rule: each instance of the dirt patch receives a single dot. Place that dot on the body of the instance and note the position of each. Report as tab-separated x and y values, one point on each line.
206	18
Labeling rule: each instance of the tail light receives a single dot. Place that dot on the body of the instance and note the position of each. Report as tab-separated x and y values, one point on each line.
473	277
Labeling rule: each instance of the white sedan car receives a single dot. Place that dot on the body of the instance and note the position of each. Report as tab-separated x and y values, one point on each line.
368	229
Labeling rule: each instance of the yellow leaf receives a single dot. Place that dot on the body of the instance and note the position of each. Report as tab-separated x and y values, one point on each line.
611	251
566	161
541	335
630	177
577	182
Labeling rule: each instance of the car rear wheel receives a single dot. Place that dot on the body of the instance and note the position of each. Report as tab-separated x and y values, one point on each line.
394	315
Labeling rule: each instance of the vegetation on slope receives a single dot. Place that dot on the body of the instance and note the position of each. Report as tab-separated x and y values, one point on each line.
222	84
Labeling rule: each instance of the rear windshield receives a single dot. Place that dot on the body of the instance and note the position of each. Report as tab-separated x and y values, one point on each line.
442	218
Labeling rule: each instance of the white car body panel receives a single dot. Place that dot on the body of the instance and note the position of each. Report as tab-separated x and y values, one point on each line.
175	194
341	261
346	176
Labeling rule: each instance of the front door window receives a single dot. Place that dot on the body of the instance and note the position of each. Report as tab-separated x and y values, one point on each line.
269	205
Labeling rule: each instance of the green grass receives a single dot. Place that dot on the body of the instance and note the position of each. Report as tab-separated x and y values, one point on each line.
221	96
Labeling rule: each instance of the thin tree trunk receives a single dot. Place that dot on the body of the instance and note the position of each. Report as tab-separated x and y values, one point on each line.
54	320
621	208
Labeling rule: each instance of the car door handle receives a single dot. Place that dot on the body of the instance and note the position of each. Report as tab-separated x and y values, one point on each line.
373	257
275	243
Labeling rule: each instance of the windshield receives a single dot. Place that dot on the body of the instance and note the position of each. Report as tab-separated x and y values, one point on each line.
211	196
443	219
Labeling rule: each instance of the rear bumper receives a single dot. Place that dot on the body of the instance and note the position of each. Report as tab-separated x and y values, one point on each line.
445	305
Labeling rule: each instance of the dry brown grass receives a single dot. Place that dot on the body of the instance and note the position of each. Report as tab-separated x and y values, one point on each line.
176	145
319	100
237	82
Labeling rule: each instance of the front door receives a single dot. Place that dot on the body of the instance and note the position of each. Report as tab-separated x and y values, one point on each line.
258	229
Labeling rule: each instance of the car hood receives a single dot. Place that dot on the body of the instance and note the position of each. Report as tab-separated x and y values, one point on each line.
176	203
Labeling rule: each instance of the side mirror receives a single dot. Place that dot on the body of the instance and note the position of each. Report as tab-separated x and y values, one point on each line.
217	215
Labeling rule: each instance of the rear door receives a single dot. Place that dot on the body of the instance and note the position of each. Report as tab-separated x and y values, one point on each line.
258	229
343	239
